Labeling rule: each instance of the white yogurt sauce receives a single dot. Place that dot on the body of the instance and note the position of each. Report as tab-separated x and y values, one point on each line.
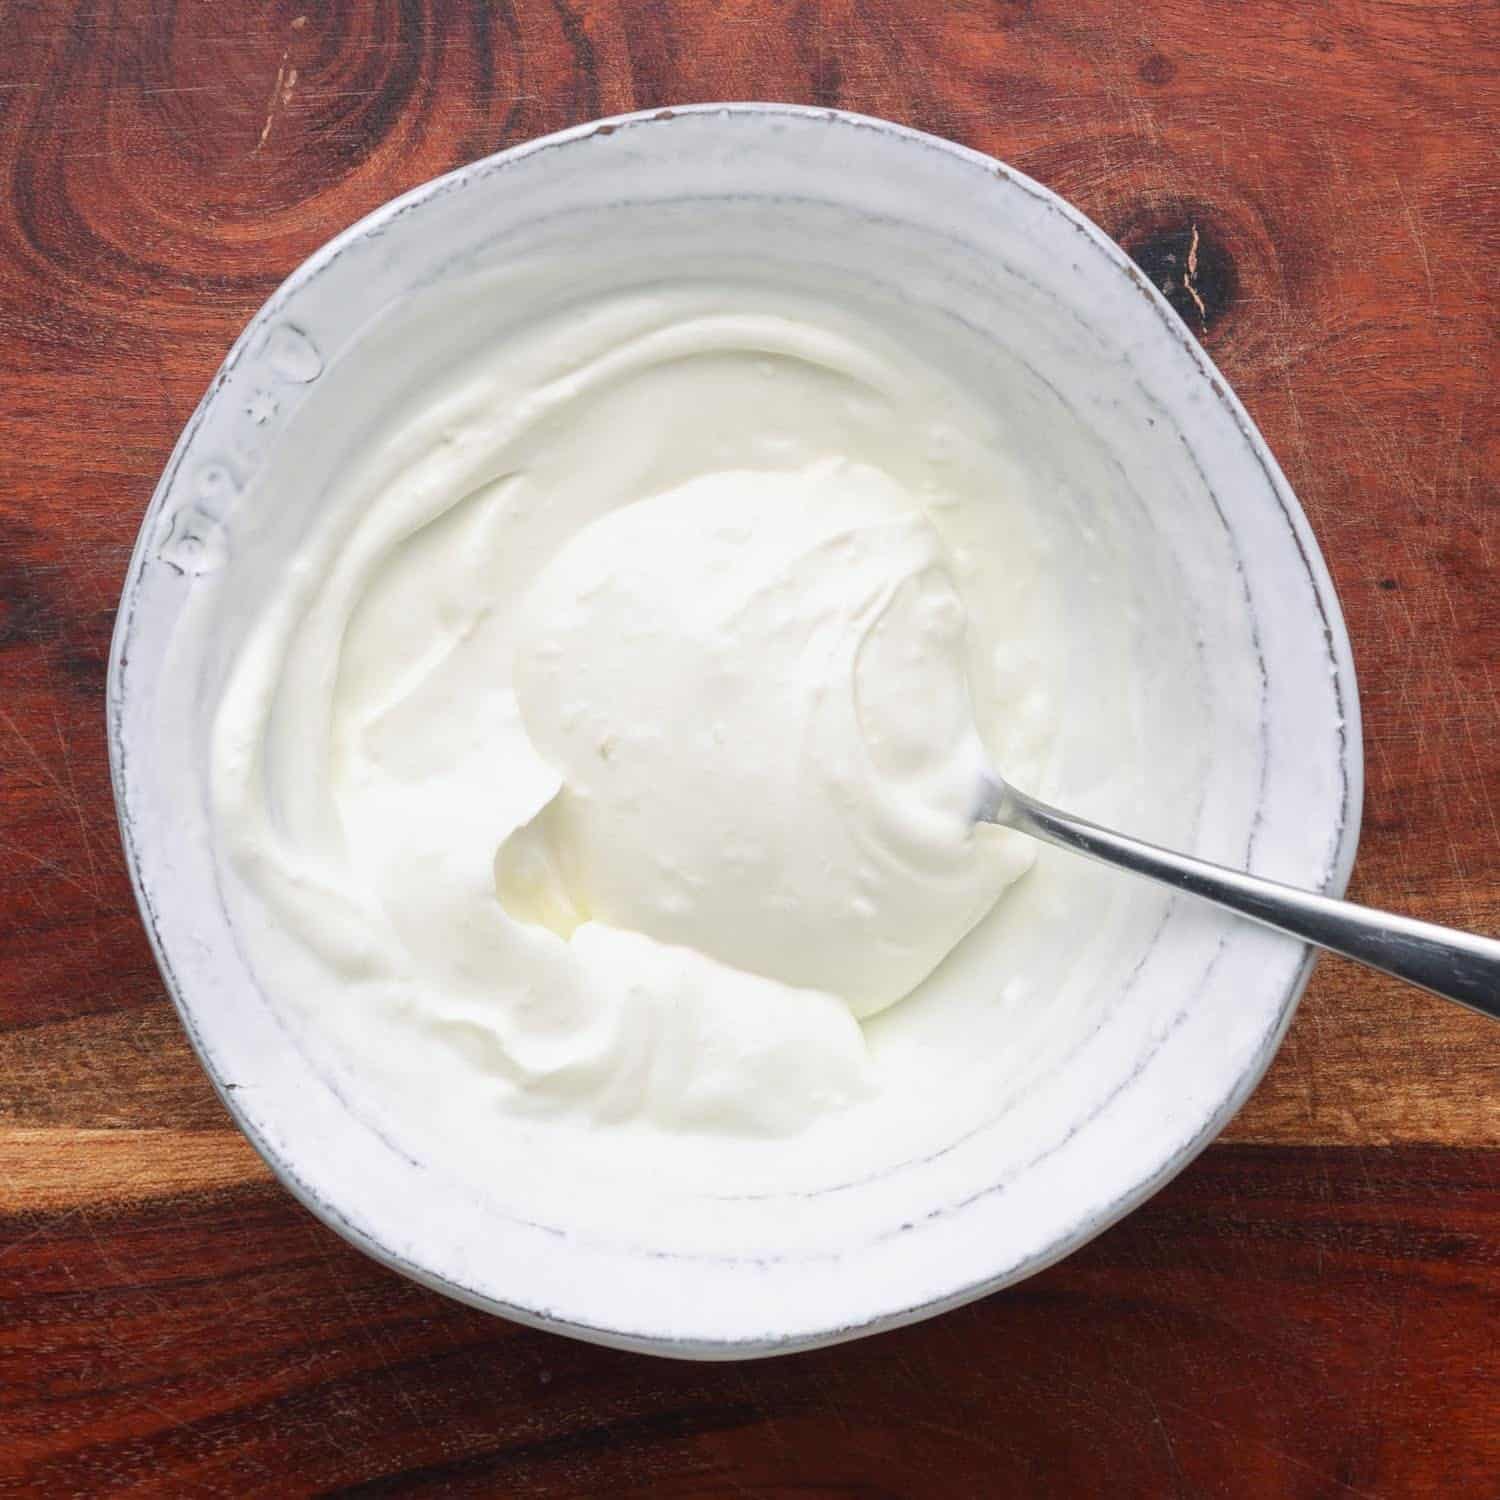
607	754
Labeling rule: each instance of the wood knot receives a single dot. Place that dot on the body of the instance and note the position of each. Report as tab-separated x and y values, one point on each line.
1157	69
1188	262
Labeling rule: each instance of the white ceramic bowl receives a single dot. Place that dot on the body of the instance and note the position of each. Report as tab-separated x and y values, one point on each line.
1173	1053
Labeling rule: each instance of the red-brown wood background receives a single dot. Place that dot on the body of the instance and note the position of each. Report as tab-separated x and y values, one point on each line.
1310	1310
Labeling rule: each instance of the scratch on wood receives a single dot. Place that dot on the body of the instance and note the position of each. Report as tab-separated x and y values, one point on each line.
40	862
281	96
75	802
1189	274
1420	241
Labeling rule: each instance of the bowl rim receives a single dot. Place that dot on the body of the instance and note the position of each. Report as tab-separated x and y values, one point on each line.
1326	597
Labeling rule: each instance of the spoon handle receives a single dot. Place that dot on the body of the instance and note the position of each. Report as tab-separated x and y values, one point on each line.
1457	965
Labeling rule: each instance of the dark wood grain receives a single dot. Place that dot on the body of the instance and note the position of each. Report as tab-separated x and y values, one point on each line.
1309	1311
1285	1322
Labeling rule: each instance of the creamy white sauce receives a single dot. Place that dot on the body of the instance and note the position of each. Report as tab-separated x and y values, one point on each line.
606	756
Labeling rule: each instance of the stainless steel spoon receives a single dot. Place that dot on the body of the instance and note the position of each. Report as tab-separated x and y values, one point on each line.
1457	965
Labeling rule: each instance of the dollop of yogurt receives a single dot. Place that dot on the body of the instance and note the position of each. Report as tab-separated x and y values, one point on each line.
754	691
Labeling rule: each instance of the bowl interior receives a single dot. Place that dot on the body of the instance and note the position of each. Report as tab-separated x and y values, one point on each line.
1109	408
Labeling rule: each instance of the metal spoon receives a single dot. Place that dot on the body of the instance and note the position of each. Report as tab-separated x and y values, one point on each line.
1457	965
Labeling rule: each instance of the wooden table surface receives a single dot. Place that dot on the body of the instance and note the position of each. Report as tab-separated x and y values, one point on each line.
1311	1309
